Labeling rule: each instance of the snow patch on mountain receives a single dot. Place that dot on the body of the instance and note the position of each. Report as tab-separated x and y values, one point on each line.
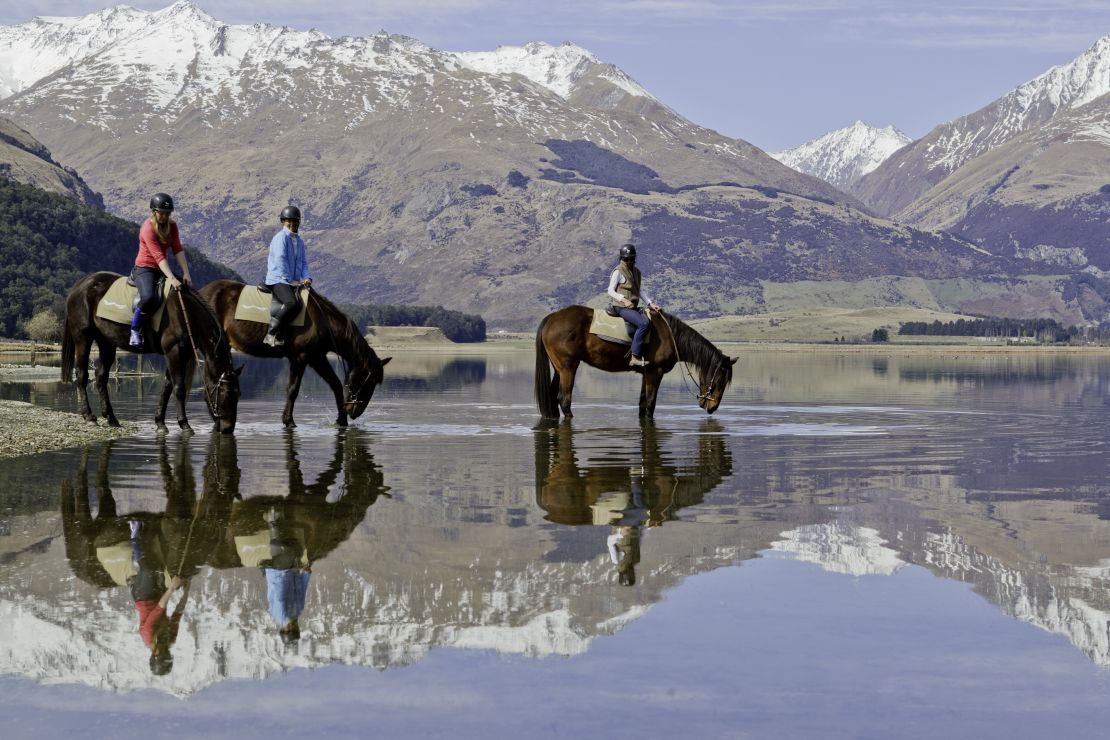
844	156
558	68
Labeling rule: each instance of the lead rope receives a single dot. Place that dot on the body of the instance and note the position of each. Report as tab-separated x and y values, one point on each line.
196	354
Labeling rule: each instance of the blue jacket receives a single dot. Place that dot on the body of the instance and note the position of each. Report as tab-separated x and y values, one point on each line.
285	592
288	262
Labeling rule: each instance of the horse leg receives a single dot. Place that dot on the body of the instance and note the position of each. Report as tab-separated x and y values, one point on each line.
296	373
163	402
82	346
179	375
323	368
566	387
107	359
649	392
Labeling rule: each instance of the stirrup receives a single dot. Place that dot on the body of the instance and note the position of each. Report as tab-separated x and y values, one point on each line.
273	340
136	339
638	362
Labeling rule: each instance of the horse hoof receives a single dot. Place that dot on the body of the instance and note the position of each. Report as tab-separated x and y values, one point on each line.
290	424
341	421
185	427
113	422
162	429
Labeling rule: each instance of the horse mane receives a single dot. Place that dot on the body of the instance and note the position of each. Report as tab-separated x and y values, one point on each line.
220	343
343	329
696	350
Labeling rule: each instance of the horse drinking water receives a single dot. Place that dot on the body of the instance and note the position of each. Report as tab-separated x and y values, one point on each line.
190	329
325	329
564	341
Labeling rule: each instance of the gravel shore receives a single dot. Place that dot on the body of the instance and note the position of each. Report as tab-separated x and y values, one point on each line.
26	429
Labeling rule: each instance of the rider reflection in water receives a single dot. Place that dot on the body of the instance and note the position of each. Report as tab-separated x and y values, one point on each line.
626	532
152	595
287	571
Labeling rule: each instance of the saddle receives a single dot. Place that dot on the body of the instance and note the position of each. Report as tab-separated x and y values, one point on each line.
254	305
118	303
612	328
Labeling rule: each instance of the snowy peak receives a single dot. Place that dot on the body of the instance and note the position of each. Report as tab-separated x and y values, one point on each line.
557	68
844	156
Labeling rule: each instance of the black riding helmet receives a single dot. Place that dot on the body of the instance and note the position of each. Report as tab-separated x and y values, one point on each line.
628	252
161	202
290	213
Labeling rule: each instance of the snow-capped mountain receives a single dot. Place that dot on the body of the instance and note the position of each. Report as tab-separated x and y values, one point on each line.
840	547
909	173
843	156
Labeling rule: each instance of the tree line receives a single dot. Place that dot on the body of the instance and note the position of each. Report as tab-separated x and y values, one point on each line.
1042	330
456	326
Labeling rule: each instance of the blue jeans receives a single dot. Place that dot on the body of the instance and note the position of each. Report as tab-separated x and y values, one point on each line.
641	322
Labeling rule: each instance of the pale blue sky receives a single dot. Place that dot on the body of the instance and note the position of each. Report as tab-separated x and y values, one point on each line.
775	73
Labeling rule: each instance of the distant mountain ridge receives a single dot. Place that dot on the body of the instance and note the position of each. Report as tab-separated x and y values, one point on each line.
24	159
912	171
843	156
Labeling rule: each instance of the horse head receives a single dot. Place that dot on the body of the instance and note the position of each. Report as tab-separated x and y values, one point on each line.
360	381
713	380
221	392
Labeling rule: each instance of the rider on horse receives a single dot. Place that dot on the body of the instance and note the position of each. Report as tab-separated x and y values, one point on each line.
286	271
157	237
626	294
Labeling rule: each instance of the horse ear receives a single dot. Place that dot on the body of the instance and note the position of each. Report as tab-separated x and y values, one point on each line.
732	360
239	370
385	361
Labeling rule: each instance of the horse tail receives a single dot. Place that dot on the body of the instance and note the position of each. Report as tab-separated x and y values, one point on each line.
546	397
69	351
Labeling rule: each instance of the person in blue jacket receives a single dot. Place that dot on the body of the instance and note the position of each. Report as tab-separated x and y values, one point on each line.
287	571
286	272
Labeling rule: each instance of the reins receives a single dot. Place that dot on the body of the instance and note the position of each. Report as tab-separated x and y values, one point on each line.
213	406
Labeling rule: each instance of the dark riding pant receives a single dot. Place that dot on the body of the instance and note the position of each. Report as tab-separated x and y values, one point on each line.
148	281
635	317
286	306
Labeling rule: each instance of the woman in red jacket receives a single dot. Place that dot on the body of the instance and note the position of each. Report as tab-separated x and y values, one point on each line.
158	237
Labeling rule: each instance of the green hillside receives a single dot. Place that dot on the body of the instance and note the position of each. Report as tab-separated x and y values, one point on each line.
48	241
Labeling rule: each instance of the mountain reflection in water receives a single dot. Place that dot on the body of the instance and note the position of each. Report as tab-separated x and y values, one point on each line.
489	531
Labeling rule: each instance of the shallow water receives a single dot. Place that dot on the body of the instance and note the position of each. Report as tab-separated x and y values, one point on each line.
852	546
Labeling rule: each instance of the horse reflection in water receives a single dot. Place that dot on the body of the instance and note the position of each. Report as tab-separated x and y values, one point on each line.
627	493
284	536
156	554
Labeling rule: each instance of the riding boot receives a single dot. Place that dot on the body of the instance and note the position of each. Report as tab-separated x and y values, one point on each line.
637	362
272	338
136	339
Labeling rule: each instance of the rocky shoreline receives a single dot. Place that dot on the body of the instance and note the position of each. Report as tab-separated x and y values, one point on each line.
26	429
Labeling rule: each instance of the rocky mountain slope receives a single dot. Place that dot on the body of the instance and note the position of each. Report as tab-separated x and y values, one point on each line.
843	156
498	183
912	171
25	160
1044	195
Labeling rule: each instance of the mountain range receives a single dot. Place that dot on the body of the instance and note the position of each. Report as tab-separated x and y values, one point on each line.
498	183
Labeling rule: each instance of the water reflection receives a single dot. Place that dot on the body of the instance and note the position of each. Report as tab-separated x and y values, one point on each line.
625	492
154	556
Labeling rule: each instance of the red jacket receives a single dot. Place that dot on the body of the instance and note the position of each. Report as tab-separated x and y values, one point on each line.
151	251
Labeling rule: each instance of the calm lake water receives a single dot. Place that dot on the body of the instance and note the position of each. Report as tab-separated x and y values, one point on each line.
854	545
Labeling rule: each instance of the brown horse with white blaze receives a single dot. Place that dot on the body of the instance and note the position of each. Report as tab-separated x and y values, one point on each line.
326	329
563	342
190	329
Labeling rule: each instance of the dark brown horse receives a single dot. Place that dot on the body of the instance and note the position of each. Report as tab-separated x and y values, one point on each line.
326	329
563	342
187	318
